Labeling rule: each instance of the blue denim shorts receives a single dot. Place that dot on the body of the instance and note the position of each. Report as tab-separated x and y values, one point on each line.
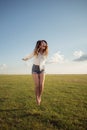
36	69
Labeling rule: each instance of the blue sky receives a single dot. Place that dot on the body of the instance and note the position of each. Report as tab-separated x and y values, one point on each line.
62	23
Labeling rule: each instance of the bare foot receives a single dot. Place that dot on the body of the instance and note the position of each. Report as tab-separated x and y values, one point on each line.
39	100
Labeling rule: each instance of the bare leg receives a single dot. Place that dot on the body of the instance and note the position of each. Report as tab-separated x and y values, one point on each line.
37	82
41	86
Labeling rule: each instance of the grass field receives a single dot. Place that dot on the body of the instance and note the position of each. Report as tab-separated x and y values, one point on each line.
63	106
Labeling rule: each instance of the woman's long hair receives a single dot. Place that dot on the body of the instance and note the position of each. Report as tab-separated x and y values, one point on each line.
37	48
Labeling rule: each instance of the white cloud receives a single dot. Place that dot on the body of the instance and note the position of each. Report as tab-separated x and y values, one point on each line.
56	58
3	66
80	56
3	69
78	53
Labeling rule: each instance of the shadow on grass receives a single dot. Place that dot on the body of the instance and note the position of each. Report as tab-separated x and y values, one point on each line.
10	110
3	99
45	118
42	117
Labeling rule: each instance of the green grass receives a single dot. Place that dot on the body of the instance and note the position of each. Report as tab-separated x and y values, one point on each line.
63	106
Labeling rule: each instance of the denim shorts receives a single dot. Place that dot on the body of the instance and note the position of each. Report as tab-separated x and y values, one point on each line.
36	69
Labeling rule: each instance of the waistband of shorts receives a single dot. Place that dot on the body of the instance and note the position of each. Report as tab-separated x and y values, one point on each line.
37	65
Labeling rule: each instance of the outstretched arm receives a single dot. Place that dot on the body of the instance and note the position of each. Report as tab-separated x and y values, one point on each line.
28	56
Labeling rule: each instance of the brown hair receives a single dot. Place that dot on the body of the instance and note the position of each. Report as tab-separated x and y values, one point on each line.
37	49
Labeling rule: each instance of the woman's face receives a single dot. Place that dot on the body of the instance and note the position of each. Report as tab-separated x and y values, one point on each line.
43	45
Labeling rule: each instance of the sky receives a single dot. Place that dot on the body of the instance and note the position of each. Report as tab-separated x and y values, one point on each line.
62	23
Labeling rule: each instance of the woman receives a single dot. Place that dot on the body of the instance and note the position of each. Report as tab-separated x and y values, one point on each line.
40	54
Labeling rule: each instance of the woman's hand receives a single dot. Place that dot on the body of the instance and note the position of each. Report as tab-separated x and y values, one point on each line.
24	59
